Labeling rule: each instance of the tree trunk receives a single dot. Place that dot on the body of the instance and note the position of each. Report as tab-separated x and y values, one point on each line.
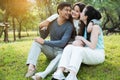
107	20
6	34
27	33
13	21
6	28
19	32
1	31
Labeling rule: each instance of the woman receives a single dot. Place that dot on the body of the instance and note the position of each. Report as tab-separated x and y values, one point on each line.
91	54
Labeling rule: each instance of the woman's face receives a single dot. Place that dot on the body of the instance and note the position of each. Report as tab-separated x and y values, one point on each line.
75	12
83	17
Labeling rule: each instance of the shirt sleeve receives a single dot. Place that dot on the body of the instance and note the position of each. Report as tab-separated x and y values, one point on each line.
52	18
64	40
44	33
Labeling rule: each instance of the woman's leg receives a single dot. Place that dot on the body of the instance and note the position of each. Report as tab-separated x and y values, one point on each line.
84	55
93	57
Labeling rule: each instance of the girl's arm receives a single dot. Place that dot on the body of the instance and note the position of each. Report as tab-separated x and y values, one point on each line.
47	21
52	18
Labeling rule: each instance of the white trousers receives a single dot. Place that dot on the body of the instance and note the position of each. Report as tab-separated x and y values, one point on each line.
73	56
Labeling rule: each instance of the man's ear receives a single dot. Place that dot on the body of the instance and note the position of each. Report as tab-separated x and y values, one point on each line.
59	11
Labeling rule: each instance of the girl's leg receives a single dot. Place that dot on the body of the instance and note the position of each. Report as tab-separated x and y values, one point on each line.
66	55
64	61
59	73
75	62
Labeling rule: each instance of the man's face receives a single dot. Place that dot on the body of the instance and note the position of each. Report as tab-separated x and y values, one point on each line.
65	12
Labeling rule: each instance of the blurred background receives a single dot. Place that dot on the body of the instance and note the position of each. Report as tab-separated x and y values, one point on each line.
21	18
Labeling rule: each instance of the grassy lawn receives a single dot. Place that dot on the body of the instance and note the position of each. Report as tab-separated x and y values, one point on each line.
13	57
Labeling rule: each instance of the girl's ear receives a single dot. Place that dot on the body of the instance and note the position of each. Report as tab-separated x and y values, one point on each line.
86	17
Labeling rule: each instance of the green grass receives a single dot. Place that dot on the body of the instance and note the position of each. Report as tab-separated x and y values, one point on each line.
13	57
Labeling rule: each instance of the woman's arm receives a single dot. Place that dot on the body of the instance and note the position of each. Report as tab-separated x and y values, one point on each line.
93	39
92	22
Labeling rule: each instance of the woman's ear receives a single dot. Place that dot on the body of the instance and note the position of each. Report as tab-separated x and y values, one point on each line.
89	28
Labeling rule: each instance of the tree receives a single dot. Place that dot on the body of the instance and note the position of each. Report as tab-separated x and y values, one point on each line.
4	6
110	11
19	12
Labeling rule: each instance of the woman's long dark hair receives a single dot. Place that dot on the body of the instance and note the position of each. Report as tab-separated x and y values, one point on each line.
92	13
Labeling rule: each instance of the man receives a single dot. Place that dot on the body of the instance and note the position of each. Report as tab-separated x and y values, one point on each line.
60	31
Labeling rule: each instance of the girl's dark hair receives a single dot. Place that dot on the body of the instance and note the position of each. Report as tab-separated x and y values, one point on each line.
62	5
92	13
81	7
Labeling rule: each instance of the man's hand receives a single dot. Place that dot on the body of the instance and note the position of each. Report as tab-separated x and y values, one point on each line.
39	40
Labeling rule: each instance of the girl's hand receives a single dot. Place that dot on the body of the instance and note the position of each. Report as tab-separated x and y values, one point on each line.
44	24
79	38
77	43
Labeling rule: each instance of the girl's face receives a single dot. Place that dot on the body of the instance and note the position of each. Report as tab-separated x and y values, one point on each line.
83	17
75	12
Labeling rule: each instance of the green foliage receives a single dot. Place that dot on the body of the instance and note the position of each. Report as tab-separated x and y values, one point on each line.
13	58
1	15
28	15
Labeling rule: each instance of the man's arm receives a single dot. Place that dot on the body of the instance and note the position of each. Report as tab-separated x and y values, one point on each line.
44	33
61	43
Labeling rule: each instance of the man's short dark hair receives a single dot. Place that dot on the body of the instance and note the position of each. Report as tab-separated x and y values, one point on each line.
62	5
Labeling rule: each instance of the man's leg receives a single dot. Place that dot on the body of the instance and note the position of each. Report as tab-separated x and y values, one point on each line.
34	53
51	67
33	57
53	64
